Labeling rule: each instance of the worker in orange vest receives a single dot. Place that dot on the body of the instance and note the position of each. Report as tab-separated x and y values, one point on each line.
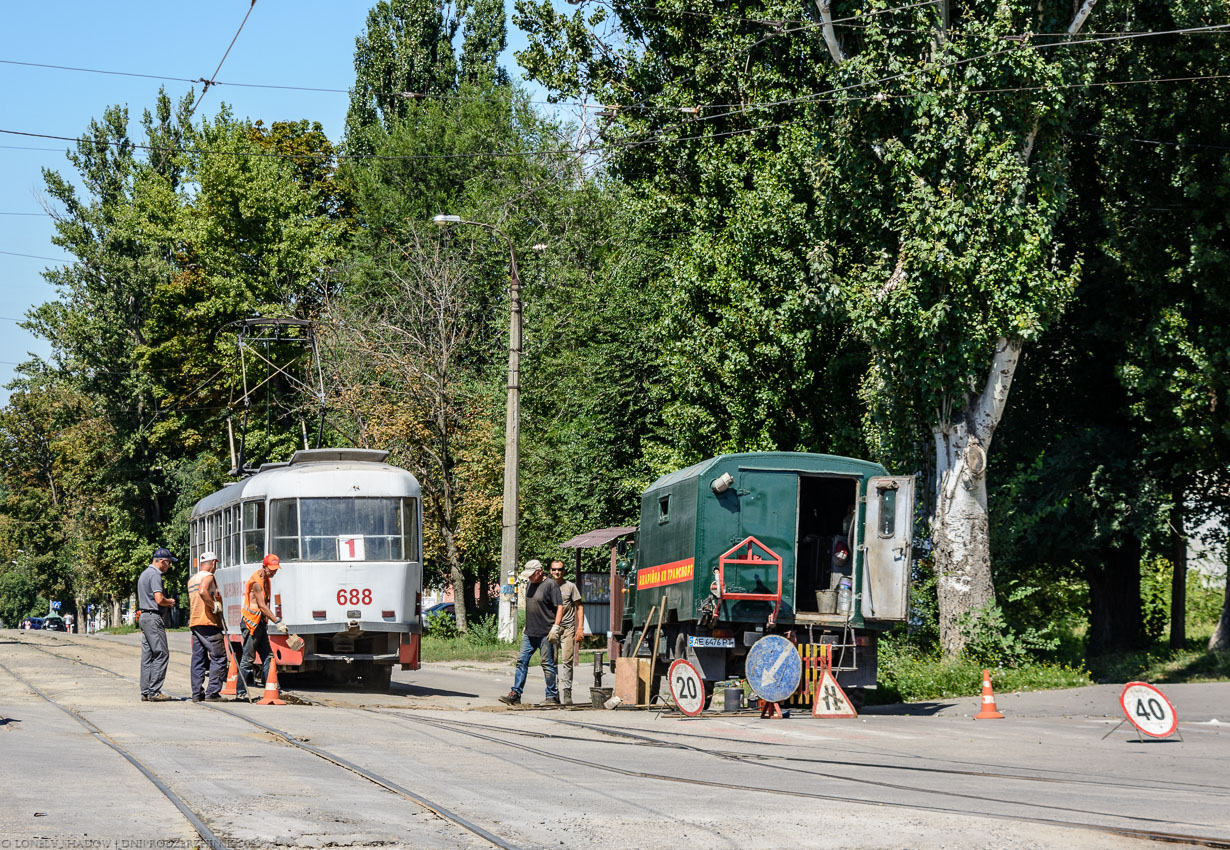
205	623
256	617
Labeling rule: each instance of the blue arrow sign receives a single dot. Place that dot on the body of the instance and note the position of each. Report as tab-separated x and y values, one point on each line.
774	668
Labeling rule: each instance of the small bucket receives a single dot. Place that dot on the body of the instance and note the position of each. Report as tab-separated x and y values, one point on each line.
826	601
599	696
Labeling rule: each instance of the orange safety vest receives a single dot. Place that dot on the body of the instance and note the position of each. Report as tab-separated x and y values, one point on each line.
251	614
200	613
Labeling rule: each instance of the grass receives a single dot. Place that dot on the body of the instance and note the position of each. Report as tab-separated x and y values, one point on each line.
132	629
1161	664
908	675
462	649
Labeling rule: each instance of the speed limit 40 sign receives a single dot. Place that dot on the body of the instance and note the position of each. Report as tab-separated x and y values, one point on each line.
1148	710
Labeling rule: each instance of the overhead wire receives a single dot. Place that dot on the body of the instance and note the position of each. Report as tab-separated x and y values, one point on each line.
655	137
210	81
1218	29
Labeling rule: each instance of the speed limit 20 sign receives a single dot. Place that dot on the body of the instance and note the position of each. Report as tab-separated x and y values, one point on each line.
1148	710
687	687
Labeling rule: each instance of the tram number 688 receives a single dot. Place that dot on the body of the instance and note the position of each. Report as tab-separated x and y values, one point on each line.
354	596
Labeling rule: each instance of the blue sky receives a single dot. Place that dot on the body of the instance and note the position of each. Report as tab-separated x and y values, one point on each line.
306	43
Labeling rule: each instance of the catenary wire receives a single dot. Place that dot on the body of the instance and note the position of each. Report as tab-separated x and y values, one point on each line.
656	137
207	83
1216	29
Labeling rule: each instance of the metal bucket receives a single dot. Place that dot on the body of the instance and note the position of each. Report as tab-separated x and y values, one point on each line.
826	601
732	699
599	696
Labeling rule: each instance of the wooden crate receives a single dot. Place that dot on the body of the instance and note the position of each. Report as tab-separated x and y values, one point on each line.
632	680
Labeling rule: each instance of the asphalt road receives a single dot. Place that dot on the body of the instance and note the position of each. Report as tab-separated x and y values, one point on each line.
438	763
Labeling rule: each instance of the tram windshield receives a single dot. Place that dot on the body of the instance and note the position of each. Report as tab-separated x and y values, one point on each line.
344	529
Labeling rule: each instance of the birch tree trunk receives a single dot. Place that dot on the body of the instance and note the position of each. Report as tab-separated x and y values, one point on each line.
1220	641
959	529
1178	579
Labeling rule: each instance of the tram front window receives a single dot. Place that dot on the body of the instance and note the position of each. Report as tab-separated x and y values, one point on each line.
340	529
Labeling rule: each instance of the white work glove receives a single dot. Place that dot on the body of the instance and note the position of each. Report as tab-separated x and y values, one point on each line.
281	627
217	607
554	635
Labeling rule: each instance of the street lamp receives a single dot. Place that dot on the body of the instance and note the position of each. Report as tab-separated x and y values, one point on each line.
512	438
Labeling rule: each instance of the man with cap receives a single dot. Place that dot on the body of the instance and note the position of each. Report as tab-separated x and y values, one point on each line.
542	600
256	617
150	602
205	623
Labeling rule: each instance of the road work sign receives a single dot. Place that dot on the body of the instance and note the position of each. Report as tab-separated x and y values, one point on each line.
830	700
1148	710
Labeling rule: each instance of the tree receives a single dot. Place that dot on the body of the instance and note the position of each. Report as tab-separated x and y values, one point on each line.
1161	185
203	228
401	354
405	52
928	218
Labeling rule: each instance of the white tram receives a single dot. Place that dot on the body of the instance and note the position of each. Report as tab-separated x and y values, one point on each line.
348	529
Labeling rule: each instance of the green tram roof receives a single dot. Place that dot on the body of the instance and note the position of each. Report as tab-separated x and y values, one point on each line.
795	461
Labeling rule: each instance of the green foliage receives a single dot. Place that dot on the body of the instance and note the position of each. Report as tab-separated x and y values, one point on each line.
441	625
908	674
485	632
19	593
1162	664
990	641
1155	580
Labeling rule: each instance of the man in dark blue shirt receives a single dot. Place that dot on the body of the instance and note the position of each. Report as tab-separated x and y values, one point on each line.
543	604
151	601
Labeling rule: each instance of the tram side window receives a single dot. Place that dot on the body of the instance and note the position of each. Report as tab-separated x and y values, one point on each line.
215	532
410	510
254	532
236	536
284	525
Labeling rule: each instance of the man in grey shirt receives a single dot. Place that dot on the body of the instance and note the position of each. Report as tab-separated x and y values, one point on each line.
571	629
151	601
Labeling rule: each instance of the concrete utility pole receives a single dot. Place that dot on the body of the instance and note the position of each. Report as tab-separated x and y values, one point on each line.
512	439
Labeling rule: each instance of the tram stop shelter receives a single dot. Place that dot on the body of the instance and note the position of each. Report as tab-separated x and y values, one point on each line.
601	593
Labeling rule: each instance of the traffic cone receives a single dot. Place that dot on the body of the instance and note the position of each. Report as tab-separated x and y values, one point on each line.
271	686
989	711
231	688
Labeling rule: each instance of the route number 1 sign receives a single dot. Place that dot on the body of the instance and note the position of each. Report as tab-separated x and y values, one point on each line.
350	548
1148	710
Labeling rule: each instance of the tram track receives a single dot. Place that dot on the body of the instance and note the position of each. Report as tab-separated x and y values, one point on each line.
194	818
1126	831
624	737
1076	779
